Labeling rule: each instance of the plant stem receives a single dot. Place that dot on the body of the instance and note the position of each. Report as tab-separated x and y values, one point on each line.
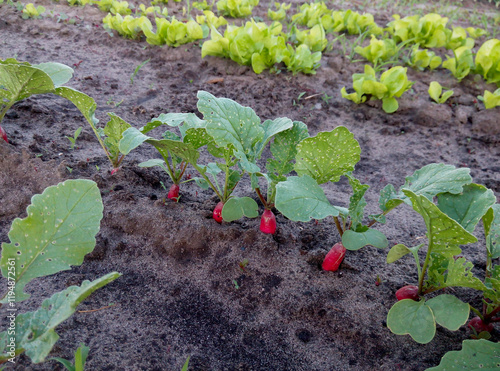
202	173
337	223
262	199
424	267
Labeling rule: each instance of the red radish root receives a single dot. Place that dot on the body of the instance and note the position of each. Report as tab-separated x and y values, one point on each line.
268	222
217	215
334	257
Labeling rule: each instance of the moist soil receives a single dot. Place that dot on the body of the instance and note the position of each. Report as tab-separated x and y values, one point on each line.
183	293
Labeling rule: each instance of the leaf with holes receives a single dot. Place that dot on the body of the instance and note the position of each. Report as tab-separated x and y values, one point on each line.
58	232
35	331
328	155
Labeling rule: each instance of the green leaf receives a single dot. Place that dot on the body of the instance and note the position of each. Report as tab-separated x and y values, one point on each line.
356	240
414	318
272	128
58	72
229	123
236	208
389	199
185	151
468	207
114	131
328	155
131	139
357	202
35	331
22	81
152	163
186	365
390	104
449	311
491	222
58	232
459	274
284	149
302	199
83	102
475	355
398	251
444	234
433	179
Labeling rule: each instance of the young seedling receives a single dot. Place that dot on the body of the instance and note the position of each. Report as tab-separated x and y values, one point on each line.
74	138
437	94
80	358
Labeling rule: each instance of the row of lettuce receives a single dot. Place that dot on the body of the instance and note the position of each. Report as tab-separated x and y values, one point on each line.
233	139
404	41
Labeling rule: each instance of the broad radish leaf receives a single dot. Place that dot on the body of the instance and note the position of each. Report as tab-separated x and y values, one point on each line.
459	273
468	207
389	199
356	240
83	102
328	155
475	354
302	199
151	163
444	234
229	123
170	119
284	149
22	81
449	311
433	179
236	208
114	132
185	151
35	331
58	232
357	202
491	222
414	318
58	72
131	139
272	128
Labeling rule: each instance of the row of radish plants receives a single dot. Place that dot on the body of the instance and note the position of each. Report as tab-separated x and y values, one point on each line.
411	41
234	138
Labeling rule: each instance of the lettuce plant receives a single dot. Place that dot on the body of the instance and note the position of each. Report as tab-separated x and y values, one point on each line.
429	31
450	223
423	58
210	19
236	8
173	33
491	100
280	13
310	14
437	94
58	232
30	11
127	26
378	50
314	38
325	158
352	22
487	62
393	83
461	64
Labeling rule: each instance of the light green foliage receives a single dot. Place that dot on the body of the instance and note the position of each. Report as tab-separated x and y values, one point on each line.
353	22
353	240
491	100
436	92
237	207
429	31
310	14
488	61
458	38
35	331
30	11
173	33
475	355
80	358
210	19
491	222
113	132
418	318
314	38
120	7
74	137
236	8
58	232
461	63
423	58
328	155
378	50
280	13
393	83
302	199
202	5
127	26
301	59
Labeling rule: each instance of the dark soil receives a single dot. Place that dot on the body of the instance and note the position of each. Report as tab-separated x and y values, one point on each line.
183	292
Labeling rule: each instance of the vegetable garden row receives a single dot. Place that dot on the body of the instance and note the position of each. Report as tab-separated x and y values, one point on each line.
288	180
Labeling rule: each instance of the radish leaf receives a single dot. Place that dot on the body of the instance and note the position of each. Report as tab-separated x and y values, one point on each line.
414	318
58	232
328	155
356	240
236	207
449	311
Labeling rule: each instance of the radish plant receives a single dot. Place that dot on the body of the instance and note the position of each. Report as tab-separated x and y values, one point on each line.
58	232
326	158
450	223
